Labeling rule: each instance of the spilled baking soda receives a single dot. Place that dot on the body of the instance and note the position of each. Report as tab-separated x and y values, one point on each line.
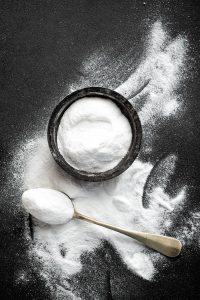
118	201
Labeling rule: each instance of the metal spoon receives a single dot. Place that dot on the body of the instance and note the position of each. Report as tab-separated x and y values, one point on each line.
36	201
166	245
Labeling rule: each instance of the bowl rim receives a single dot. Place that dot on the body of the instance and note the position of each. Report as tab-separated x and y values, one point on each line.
125	107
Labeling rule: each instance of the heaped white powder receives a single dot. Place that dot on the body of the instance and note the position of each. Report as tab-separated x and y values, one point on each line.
49	206
94	135
117	201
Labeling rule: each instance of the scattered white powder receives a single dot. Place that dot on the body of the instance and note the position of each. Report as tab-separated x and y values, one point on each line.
22	277
49	206
190	231
94	135
164	67
142	263
117	201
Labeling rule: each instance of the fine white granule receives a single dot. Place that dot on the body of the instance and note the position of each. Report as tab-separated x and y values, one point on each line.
94	135
118	201
48	206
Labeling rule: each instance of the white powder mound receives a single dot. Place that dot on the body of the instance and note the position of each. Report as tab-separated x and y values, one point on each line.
47	205
94	135
117	201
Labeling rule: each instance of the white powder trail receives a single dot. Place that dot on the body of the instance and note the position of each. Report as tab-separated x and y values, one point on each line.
164	68
118	201
189	232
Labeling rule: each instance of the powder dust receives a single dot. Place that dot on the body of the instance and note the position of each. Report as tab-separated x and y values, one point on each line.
118	201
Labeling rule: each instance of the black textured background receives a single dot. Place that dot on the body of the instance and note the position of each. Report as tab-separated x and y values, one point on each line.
42	46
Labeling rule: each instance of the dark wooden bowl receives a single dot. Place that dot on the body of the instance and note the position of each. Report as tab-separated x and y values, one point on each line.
125	107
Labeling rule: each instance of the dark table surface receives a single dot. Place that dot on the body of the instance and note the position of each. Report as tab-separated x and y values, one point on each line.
43	44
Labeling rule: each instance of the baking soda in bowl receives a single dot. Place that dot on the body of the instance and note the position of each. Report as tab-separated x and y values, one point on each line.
94	135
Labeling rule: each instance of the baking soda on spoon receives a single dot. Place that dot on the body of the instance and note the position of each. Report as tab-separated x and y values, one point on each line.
48	206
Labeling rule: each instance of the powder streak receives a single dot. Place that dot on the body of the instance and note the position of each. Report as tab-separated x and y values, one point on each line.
118	201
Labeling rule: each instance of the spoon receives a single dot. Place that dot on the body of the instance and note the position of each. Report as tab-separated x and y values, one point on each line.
54	207
166	245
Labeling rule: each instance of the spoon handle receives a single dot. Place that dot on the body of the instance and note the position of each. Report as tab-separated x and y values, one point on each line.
166	245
